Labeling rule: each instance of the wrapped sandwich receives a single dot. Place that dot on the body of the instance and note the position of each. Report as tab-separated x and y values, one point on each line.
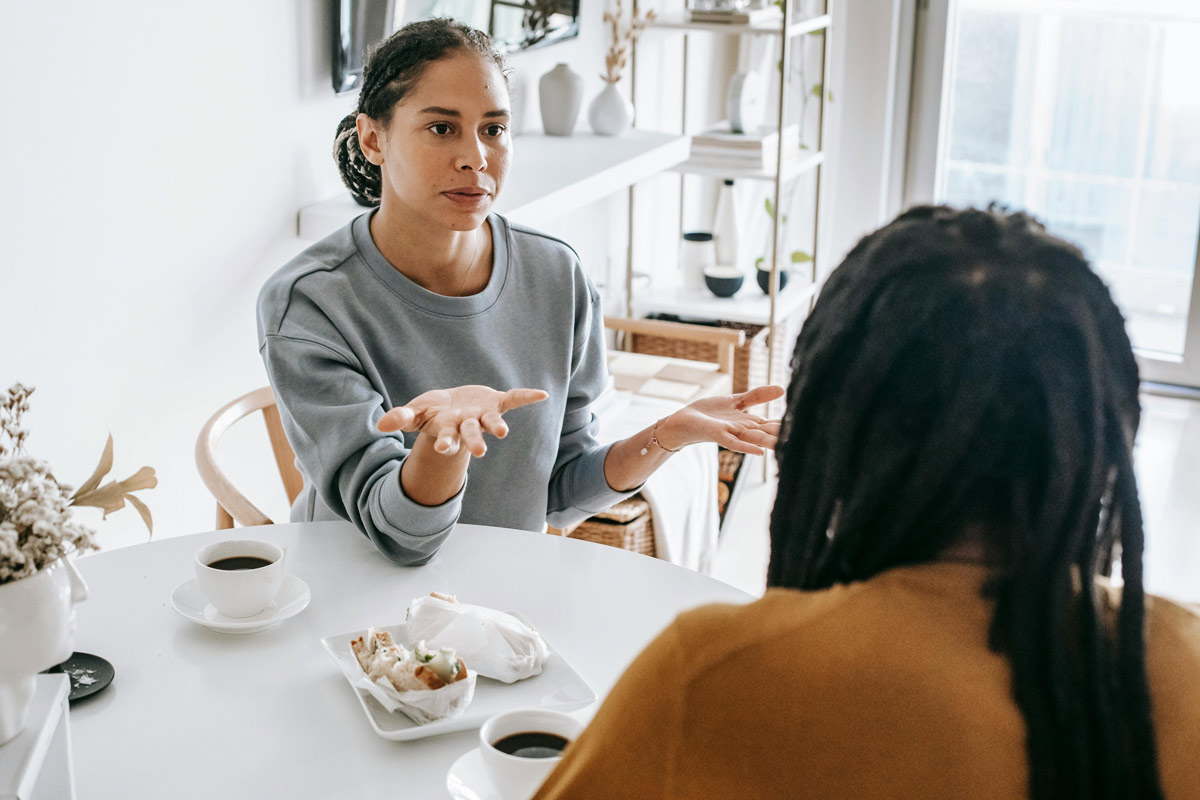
498	645
425	683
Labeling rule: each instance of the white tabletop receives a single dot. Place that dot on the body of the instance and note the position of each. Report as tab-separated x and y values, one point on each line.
195	713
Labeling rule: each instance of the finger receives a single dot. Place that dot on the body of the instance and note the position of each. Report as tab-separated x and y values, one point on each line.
731	442
401	418
773	427
758	437
757	396
748	418
494	424
447	441
515	398
472	436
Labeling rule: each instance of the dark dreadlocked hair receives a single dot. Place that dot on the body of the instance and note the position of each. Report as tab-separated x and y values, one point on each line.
393	67
964	370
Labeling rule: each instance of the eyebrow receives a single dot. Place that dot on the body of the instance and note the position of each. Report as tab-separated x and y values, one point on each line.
449	112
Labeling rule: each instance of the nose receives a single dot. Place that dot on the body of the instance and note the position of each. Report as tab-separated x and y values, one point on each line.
472	157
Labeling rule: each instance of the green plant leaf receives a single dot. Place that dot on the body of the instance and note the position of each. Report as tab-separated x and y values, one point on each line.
758	262
829	94
817	90
800	257
770	208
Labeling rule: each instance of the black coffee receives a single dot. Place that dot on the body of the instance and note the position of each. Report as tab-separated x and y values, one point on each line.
239	562
533	744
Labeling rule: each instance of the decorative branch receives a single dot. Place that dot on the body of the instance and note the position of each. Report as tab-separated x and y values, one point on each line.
622	37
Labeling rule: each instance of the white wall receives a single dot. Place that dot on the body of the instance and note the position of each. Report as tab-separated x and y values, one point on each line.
154	156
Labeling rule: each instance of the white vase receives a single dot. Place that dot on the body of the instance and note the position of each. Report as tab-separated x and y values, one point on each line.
610	114
560	94
37	631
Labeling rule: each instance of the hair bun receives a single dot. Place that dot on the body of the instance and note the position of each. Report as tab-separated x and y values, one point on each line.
361	177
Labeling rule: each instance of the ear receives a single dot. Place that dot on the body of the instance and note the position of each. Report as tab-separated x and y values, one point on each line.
368	139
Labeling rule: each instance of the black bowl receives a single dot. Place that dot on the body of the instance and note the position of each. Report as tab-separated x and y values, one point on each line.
764	279
723	282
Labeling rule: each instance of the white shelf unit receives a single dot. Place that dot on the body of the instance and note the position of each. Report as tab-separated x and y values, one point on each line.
549	176
678	20
748	306
793	167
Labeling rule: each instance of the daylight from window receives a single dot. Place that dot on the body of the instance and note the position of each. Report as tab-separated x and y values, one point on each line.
1086	114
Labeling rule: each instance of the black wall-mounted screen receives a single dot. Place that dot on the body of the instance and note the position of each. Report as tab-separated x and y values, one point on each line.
513	25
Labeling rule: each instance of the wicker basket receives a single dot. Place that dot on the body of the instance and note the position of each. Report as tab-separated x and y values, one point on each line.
627	525
749	361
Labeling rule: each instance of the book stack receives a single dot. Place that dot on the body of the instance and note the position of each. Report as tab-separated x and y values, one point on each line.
743	16
718	146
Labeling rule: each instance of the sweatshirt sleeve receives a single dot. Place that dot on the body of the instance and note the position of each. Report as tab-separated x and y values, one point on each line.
329	411
578	488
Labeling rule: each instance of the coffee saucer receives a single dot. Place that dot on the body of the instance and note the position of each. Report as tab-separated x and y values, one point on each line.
190	603
468	779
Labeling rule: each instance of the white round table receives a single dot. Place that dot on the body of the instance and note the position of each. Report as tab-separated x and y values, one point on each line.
193	713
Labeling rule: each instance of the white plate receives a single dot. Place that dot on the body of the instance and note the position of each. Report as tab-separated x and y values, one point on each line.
558	686
468	779
190	603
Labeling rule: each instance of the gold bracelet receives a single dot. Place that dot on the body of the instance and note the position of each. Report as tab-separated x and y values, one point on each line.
654	441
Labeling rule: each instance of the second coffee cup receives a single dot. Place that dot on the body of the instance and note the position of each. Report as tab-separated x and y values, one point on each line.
240	577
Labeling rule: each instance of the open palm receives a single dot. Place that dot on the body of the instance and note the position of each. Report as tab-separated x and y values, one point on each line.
459	415
726	421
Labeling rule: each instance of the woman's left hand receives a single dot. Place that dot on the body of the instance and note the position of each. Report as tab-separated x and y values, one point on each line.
724	420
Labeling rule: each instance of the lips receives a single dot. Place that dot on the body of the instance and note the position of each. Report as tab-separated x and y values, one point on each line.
467	195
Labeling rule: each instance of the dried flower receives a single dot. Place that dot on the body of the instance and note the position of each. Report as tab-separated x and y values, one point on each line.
35	521
622	39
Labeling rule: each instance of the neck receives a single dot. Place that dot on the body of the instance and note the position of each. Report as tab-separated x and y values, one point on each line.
444	261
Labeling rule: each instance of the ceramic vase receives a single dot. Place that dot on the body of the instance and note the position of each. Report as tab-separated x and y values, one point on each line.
610	114
37	631
560	94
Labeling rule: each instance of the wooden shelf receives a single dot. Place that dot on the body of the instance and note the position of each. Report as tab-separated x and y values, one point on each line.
749	305
679	21
549	176
793	166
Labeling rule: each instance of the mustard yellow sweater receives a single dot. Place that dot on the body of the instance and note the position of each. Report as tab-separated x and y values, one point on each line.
881	689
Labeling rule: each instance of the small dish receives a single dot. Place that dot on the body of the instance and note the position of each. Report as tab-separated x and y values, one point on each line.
558	686
88	673
468	779
190	603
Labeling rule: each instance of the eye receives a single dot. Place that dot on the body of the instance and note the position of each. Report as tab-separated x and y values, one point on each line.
441	128
496	131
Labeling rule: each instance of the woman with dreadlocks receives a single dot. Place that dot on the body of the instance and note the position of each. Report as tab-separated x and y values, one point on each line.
394	344
955	475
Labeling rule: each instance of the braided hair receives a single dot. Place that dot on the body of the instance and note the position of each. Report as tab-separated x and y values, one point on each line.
393	68
964	370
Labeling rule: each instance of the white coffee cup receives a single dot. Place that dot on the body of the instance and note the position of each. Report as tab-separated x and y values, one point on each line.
517	777
240	591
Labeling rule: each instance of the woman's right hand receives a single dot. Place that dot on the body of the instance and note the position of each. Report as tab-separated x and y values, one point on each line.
459	415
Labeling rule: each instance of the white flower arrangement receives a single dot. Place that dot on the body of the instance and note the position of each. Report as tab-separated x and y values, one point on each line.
621	38
36	528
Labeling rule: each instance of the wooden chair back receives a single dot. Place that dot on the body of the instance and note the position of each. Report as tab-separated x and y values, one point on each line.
232	505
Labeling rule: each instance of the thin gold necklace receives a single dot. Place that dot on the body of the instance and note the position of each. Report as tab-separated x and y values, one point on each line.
471	266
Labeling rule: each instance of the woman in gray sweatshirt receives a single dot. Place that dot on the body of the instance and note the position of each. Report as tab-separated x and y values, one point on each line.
396	343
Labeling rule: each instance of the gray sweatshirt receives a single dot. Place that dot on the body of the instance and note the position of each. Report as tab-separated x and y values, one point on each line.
346	337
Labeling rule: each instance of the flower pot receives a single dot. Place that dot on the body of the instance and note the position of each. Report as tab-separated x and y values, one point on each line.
560	94
610	114
764	279
723	281
37	631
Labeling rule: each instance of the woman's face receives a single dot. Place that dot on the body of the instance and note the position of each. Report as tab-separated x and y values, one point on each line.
445	153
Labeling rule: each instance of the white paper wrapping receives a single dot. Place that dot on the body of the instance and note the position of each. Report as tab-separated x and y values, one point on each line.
424	705
494	644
